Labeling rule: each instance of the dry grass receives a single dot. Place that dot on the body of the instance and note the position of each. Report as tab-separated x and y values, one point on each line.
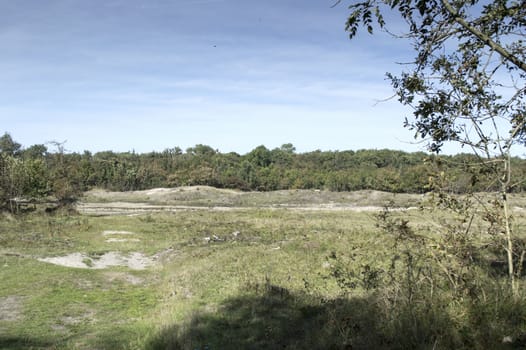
256	276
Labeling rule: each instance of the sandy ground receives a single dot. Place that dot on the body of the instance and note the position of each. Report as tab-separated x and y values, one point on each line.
134	261
101	202
126	208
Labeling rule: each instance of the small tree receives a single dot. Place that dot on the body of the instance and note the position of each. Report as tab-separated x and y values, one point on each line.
467	83
65	184
8	146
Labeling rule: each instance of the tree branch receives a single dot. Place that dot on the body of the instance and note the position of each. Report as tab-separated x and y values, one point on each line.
484	38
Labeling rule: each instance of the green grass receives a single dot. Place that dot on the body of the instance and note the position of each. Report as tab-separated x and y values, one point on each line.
62	306
285	246
271	285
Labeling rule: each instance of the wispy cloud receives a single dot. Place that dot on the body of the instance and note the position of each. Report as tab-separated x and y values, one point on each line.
158	73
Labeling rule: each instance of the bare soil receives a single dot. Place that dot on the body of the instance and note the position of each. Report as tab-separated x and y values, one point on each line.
100	202
134	261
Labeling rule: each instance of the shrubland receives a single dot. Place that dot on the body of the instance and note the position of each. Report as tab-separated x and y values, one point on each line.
38	173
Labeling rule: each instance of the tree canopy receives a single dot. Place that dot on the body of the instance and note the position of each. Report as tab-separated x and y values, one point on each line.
467	82
8	146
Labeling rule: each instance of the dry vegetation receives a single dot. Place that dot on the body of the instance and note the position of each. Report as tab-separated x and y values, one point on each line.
261	275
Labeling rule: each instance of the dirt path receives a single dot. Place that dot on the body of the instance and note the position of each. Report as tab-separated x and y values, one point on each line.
101	202
126	208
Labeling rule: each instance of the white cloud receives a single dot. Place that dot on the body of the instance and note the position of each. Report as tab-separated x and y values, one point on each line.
154	74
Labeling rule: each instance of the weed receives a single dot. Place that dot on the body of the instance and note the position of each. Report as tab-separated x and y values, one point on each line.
88	262
147	218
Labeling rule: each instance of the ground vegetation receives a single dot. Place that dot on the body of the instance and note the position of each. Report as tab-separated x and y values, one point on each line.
49	171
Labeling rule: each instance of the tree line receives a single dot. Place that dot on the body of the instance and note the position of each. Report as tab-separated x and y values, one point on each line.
41	171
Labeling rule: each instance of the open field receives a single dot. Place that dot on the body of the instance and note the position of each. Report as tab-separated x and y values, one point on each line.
101	202
199	197
260	275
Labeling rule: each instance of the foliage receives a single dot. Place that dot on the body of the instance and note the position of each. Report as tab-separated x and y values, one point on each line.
36	172
433	287
467	84
467	81
8	146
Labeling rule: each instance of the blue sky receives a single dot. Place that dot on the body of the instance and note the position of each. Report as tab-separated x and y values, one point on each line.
147	75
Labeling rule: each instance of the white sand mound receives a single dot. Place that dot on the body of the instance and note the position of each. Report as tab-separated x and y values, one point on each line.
111	232
155	191
118	240
119	233
134	261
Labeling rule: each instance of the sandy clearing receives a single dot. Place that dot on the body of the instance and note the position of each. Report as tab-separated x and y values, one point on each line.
155	191
111	232
119	240
125	208
134	261
161	193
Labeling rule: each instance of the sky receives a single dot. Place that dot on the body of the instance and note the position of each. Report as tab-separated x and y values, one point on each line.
146	75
